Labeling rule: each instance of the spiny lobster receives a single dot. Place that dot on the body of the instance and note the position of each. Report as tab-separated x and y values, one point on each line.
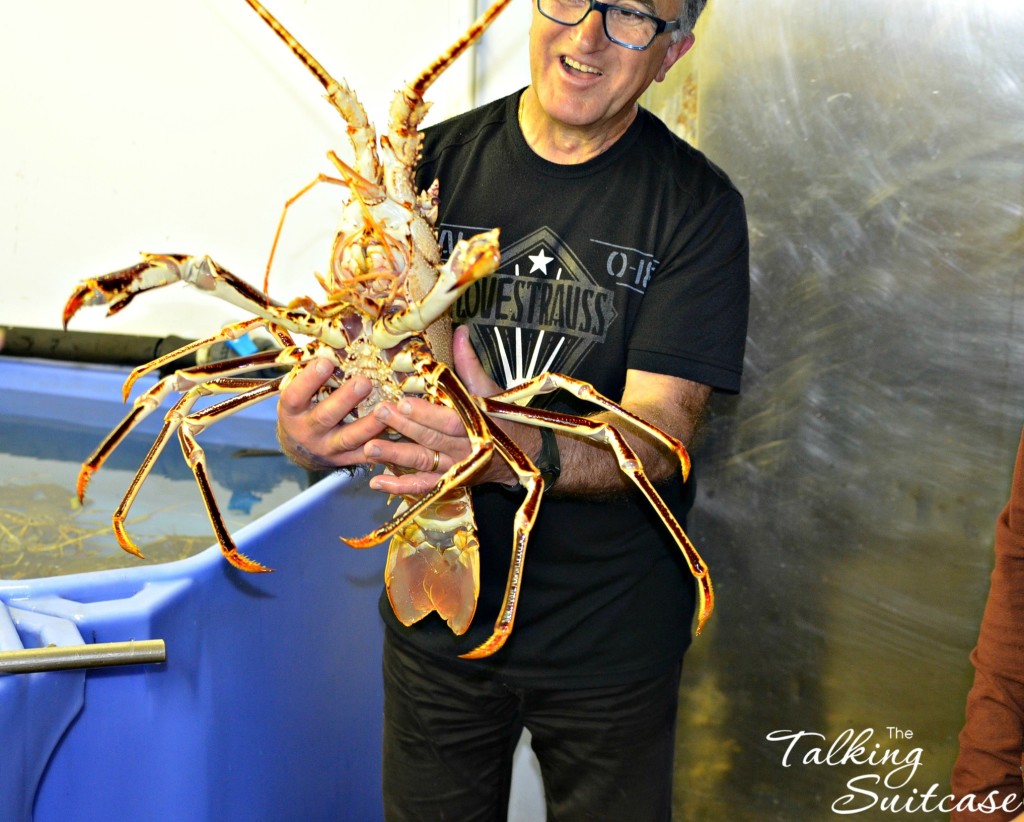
385	317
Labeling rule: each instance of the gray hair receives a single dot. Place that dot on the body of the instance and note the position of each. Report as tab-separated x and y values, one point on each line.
688	15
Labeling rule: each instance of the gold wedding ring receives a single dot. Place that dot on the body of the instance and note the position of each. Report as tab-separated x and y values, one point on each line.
437	460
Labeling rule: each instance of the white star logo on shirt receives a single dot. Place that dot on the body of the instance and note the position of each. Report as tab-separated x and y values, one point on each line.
540	262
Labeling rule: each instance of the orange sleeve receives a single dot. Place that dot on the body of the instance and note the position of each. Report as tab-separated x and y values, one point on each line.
992	740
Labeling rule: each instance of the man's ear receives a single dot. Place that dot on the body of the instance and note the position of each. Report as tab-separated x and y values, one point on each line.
675	51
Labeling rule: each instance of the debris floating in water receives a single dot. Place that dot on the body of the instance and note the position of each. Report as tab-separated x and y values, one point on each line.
44	531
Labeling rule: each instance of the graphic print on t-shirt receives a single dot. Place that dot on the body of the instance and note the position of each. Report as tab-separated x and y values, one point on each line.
542	310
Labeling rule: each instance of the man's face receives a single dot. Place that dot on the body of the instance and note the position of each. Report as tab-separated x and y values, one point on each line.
584	80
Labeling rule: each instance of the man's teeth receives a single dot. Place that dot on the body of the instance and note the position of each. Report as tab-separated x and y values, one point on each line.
579	66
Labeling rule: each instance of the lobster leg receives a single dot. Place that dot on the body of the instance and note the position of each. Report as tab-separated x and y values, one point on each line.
320	178
431	376
365	190
471	260
194	383
630	465
229	332
456	475
187	424
215	376
530	479
193	424
548	382
119	288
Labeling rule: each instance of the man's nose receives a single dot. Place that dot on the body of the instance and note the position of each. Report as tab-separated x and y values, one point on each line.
590	33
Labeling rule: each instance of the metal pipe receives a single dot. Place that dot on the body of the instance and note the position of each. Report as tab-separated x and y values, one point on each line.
96	655
90	346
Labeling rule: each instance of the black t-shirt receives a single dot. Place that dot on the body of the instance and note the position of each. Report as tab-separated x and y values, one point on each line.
637	259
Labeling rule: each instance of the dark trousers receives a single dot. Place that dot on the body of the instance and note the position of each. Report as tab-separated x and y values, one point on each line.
604	753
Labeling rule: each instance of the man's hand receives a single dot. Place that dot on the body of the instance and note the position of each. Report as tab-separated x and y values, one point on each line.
434	437
429	428
313	433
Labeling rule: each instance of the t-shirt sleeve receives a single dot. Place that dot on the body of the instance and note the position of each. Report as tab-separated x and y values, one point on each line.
692	322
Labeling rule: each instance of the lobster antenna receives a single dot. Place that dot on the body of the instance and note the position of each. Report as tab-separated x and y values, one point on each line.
437	68
328	82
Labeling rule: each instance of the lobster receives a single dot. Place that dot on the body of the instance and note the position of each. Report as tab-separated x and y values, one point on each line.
385	317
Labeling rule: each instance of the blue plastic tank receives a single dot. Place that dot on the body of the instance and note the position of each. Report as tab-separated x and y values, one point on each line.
268	706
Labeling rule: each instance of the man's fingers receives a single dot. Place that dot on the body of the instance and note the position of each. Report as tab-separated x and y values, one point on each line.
332	410
426	422
299	392
313	432
320	417
403	485
353	436
410	455
468	367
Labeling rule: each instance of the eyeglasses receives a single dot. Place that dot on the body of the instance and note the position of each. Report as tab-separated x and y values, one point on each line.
627	25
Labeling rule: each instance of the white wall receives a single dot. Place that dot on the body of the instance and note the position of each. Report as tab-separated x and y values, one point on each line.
129	126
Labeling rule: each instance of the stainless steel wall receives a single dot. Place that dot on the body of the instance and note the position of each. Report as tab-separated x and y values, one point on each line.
847	497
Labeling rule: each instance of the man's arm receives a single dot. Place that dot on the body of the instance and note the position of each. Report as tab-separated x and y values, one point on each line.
673	404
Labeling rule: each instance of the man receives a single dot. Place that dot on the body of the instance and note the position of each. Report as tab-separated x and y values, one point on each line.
624	264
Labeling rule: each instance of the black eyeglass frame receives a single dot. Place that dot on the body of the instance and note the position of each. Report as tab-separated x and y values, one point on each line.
661	26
